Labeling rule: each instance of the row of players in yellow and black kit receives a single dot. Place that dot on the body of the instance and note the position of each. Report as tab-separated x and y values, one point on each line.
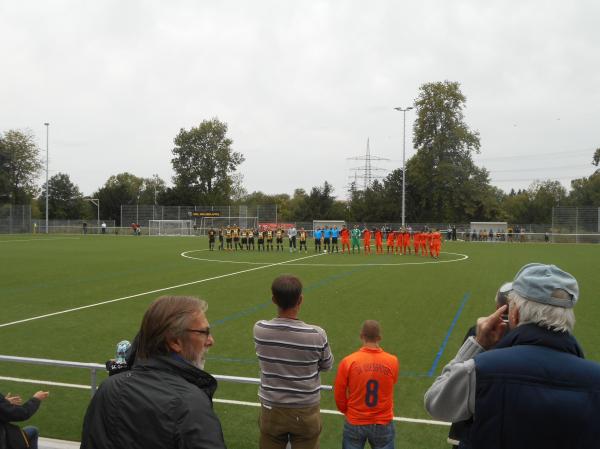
236	238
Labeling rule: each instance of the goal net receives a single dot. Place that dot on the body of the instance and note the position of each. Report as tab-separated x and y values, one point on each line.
170	227
202	226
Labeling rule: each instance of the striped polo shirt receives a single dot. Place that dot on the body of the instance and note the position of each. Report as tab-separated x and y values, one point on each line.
291	355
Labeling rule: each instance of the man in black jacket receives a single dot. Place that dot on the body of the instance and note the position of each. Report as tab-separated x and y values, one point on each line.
165	400
13	409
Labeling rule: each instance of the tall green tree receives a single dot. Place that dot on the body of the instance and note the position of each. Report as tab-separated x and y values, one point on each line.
534	205
320	201
204	164
586	191
151	190
20	165
124	188
65	201
442	181
544	195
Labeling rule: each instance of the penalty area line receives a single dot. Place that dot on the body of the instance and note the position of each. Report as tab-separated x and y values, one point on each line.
220	401
158	290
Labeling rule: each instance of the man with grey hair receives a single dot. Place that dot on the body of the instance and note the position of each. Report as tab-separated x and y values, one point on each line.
458	436
534	389
165	400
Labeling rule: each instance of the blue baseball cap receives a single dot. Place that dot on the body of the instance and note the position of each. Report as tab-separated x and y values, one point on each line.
502	293
538	282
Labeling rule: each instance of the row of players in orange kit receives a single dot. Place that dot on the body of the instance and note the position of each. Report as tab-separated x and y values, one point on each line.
428	243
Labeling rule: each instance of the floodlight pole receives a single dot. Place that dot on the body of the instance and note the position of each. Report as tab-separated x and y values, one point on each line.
403	161
47	125
95	202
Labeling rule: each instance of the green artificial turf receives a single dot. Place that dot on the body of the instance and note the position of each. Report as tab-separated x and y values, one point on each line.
424	307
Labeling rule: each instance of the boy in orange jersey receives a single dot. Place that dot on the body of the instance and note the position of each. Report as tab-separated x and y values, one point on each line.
367	240
391	238
345	234
378	241
364	392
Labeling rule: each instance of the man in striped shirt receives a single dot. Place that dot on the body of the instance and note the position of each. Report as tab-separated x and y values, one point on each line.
291	355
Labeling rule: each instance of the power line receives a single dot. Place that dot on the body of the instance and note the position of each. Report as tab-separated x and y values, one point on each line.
367	170
537	168
523	156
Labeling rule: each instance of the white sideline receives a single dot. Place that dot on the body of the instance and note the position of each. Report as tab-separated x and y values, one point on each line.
200	281
220	401
51	443
41	239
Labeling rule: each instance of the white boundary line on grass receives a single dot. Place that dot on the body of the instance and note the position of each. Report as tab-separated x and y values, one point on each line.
41	239
424	262
158	290
221	401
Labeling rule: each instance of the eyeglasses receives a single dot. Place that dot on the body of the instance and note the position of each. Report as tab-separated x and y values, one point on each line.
200	331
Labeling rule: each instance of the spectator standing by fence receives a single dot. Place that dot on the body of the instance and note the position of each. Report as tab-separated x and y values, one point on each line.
291	355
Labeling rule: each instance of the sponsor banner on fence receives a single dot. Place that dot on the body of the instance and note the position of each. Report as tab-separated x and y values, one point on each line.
205	213
276	225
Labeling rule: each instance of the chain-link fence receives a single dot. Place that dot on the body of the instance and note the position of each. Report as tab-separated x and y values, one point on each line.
569	224
15	219
143	213
76	226
576	224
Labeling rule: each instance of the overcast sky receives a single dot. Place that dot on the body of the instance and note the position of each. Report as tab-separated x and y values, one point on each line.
302	85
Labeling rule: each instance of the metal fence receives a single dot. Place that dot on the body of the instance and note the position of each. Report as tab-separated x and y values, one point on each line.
56	226
95	368
15	219
580	224
143	213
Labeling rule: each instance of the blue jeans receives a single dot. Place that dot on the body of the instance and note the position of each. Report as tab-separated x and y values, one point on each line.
380	436
32	436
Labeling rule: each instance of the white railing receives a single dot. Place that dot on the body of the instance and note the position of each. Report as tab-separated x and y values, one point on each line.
95	367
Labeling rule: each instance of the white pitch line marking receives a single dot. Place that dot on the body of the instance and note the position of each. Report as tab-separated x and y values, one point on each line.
41	239
425	262
45	382
185	254
221	401
158	290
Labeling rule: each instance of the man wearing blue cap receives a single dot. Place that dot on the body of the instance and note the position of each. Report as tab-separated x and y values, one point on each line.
534	389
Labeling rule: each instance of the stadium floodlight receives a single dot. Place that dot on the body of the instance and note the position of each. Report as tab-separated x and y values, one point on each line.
47	125
403	161
95	202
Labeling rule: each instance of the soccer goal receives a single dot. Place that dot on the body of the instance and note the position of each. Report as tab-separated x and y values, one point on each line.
170	227
207	223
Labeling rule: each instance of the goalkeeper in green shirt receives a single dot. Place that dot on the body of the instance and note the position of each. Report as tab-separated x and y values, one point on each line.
355	235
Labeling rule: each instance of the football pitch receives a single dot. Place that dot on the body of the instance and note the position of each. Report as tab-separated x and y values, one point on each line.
74	297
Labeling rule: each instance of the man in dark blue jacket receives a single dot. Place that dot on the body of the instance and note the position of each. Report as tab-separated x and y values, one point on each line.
534	389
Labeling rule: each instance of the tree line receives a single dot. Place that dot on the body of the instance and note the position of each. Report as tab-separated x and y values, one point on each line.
443	184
